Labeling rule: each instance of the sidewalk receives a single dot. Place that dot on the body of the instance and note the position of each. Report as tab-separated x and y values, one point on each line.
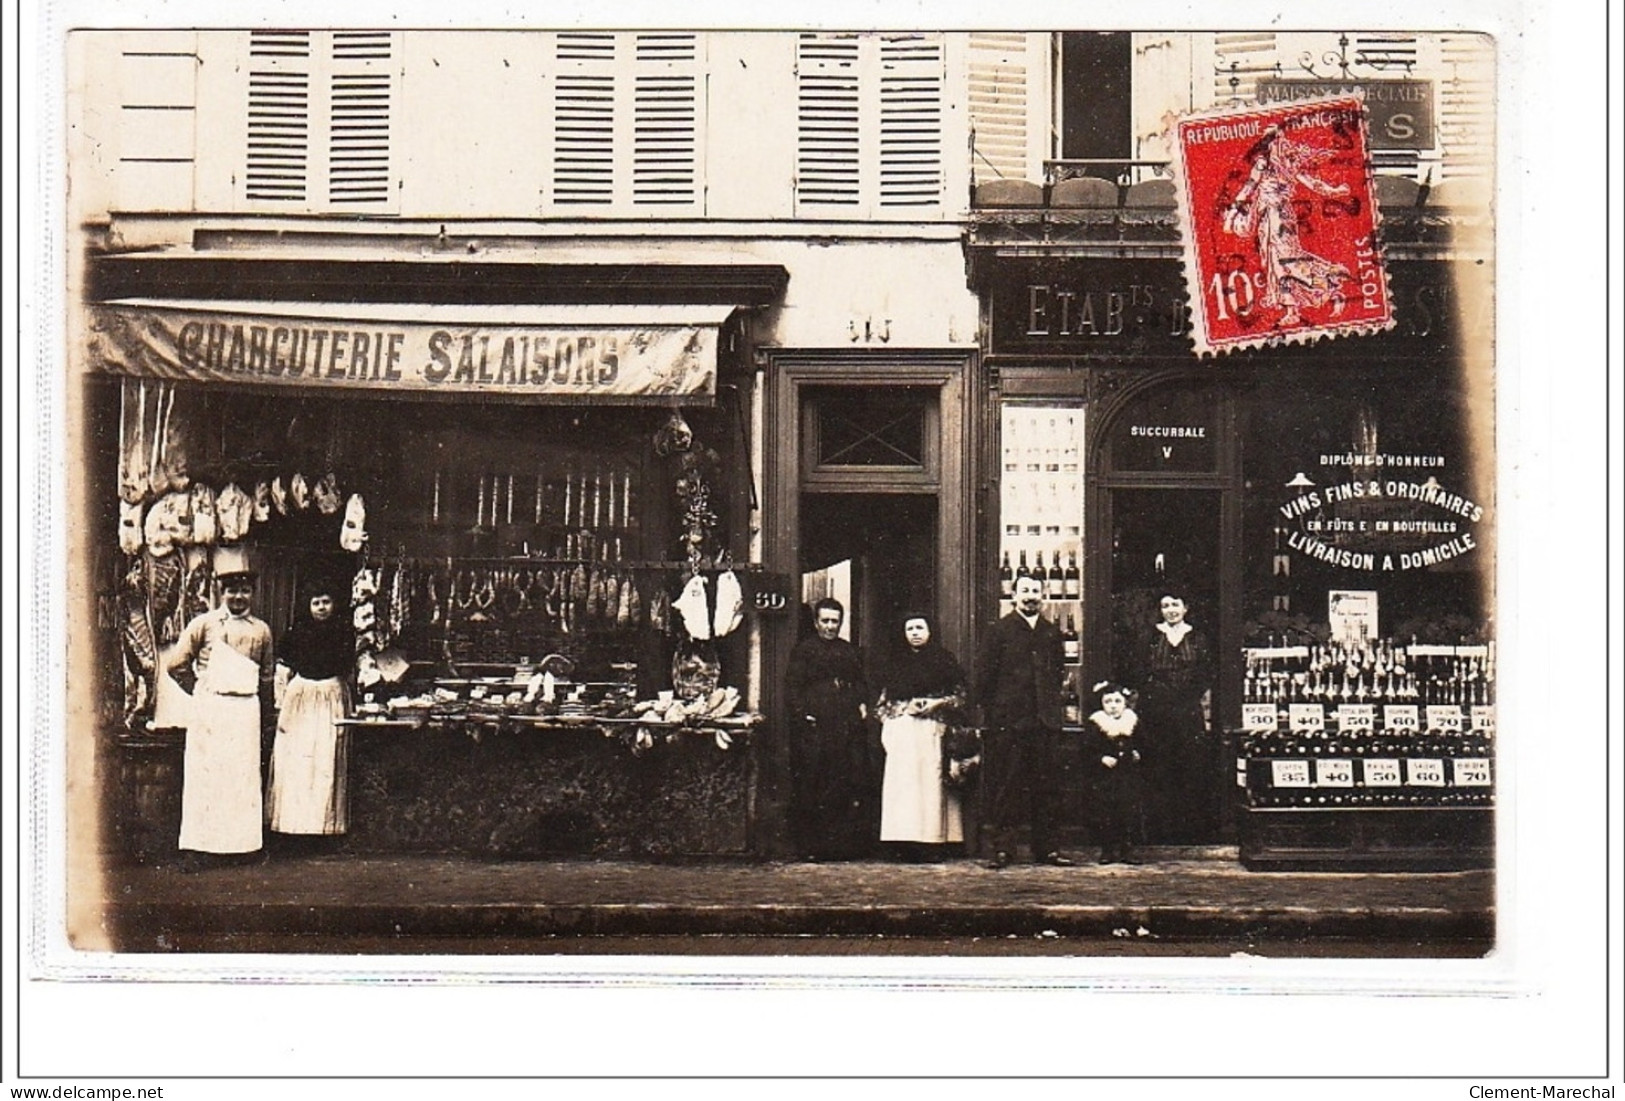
432	903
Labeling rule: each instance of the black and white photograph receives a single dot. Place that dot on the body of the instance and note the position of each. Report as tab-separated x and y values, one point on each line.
587	504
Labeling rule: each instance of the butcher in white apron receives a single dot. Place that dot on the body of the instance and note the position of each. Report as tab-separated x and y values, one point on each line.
222	808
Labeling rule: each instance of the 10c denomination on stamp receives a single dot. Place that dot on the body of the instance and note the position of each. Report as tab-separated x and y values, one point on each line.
1279	225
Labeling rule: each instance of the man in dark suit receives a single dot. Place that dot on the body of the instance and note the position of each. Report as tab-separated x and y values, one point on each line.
1018	686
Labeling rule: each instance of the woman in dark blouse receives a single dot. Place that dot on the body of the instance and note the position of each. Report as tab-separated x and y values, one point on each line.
1176	679
307	791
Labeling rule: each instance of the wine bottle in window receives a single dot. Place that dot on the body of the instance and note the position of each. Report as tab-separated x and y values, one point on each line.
1054	584
1007	577
1022	569
1071	580
1069	638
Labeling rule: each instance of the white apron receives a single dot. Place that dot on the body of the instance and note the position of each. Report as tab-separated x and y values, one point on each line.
914	803
222	809
308	759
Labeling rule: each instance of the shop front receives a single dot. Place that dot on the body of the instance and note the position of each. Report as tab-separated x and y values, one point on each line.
532	494
1274	492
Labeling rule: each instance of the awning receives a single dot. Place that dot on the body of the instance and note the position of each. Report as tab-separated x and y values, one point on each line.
599	353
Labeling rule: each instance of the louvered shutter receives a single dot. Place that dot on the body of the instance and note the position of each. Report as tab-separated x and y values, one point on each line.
910	153
828	123
277	168
319	121
869	124
999	107
1248	52
627	123
358	163
1467	105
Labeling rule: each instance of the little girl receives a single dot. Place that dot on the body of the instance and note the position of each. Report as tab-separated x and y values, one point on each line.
1111	743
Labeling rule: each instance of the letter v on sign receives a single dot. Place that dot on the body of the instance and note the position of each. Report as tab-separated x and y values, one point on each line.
1168	451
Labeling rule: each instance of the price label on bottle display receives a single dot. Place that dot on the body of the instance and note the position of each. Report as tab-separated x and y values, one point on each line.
1289	774
1307	717
1470	772
1334	772
1258	716
1444	716
1427	772
1380	772
1400	716
1356	716
1484	717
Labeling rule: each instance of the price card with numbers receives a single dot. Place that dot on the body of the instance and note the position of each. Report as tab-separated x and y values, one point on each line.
1470	772
1380	772
1484	717
1307	717
1444	716
1356	716
1289	774
1258	716
1427	772
1400	716
1334	772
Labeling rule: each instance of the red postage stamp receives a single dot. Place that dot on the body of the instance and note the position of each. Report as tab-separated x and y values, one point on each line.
1279	225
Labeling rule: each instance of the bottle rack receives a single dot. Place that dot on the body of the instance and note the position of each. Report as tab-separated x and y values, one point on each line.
1331	771
1041	511
1380	673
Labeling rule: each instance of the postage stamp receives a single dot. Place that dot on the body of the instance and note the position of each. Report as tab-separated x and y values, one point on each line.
1279	224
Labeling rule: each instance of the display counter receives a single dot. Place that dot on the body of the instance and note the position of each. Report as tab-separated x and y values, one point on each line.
539	787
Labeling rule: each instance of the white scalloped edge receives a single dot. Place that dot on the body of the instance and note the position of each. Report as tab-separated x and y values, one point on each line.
1310	334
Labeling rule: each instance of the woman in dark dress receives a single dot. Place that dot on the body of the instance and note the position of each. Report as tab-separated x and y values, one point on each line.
1176	679
307	789
830	759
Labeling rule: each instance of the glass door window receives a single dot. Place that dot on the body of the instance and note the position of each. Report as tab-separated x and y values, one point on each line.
1041	510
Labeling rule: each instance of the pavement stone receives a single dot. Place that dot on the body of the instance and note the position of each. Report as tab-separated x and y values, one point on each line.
391	901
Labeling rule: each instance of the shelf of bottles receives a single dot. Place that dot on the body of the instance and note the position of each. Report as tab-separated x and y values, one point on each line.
1368	724
1041	511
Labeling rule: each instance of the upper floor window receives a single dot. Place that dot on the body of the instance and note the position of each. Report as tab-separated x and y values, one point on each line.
869	123
628	121
319	120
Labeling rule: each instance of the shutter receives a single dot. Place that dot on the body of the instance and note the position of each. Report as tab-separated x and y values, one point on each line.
627	121
278	155
584	120
1251	50
999	106
665	120
358	165
1467	105
827	122
910	154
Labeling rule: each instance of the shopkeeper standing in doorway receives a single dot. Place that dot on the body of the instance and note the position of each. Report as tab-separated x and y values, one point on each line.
830	759
230	652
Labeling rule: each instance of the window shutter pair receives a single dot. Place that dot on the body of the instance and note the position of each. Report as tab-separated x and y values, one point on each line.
319	120
626	122
869	124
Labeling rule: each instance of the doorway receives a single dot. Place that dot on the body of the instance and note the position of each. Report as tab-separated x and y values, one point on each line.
1162	541
874	552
